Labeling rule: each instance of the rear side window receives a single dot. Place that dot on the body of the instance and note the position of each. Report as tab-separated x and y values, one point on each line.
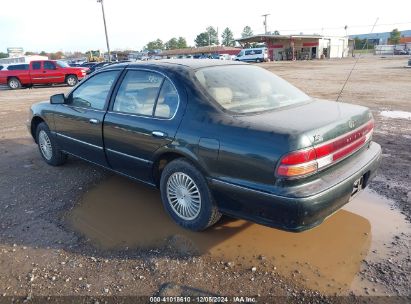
93	92
138	93
36	65
20	67
167	102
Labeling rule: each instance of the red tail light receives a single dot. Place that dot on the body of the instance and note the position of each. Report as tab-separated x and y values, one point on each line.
304	162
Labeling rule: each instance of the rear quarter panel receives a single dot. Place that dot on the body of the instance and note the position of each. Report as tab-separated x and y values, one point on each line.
23	76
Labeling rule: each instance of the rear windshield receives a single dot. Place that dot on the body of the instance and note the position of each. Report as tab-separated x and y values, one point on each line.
18	67
247	88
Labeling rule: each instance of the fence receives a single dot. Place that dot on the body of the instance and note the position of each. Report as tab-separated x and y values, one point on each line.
389	49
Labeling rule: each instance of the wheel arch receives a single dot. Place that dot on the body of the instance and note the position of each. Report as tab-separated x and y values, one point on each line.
165	156
10	77
70	74
35	121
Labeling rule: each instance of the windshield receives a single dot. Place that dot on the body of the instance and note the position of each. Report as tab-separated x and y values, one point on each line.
247	88
62	64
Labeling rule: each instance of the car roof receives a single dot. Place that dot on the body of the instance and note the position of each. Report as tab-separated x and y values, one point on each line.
193	64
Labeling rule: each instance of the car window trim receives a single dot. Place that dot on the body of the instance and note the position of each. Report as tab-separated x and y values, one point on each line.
119	82
108	97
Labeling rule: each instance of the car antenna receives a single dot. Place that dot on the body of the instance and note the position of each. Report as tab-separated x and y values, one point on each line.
356	61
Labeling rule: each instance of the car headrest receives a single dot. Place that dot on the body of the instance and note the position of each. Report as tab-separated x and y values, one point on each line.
163	110
223	95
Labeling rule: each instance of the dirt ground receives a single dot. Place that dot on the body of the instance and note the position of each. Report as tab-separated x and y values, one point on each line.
79	230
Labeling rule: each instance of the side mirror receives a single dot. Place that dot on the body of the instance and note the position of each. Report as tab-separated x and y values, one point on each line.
57	99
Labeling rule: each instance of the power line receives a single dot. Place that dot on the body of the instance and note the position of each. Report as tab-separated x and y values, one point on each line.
355	63
350	26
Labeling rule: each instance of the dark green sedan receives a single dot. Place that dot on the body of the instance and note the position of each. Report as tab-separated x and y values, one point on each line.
215	137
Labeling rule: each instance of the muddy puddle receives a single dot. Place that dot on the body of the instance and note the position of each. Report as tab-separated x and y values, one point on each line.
120	213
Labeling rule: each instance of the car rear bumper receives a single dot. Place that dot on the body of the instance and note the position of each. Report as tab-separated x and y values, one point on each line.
310	207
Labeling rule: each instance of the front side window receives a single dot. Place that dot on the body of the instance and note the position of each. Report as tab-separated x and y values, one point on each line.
247	88
138	93
48	65
36	65
93	92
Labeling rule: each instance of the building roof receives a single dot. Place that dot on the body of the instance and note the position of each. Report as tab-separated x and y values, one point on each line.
198	50
381	35
263	37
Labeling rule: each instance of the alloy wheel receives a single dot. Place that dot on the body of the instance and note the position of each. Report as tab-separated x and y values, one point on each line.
184	196
45	145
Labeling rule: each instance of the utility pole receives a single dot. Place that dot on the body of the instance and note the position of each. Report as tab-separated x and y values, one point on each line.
265	22
105	29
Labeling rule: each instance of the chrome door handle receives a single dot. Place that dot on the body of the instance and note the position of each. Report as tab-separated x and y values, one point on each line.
93	121
158	134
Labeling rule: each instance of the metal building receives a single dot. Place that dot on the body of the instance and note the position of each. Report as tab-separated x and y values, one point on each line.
300	47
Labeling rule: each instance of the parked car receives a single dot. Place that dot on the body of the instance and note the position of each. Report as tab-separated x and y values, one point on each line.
253	54
400	52
93	66
216	137
41	72
226	57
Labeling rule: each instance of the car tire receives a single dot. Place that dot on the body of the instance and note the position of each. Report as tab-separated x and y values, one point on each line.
14	83
186	196
48	147
71	80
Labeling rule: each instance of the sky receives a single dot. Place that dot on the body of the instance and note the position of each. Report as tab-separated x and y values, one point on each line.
77	25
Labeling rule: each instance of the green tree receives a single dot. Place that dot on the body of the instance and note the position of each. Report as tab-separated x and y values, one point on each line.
28	53
395	36
3	55
154	45
202	39
228	37
181	43
172	44
247	32
43	53
56	56
213	35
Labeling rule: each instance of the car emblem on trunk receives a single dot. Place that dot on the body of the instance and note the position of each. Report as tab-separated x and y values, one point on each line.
351	123
317	138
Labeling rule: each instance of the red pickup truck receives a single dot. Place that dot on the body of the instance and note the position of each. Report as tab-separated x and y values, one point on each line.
41	72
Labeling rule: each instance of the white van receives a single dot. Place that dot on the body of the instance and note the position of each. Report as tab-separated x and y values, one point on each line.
253	54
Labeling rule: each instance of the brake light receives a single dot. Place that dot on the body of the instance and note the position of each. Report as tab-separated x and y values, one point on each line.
304	162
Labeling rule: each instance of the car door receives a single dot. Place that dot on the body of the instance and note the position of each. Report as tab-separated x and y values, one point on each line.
79	122
141	119
36	72
52	74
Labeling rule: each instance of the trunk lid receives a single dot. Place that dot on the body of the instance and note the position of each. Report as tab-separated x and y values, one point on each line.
318	121
319	134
